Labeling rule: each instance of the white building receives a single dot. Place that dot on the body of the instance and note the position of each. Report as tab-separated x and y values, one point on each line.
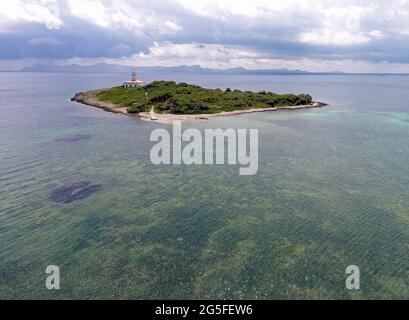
134	82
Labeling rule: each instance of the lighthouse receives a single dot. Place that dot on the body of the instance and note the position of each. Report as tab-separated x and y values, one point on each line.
134	82
133	79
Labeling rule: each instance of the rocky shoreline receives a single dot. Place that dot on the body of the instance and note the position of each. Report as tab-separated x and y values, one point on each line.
90	98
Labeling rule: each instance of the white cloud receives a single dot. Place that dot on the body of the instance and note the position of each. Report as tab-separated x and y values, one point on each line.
340	26
90	10
172	26
209	55
41	11
139	20
334	37
248	8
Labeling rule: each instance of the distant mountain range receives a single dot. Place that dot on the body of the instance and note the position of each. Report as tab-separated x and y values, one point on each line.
114	68
195	69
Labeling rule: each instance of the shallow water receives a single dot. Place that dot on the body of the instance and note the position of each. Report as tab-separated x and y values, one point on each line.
331	191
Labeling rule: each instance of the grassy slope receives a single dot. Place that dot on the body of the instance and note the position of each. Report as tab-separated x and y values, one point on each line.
182	98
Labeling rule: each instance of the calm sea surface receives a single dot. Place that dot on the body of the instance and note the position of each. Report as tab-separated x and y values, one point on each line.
332	190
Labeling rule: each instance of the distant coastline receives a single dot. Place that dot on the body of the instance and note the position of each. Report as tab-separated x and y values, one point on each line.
184	69
115	68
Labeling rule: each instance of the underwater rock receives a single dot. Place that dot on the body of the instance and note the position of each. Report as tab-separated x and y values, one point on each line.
74	137
75	191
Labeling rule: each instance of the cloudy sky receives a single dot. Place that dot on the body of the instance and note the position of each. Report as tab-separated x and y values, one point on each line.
320	35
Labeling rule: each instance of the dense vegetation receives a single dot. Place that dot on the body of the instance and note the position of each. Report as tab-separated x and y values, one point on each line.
182	98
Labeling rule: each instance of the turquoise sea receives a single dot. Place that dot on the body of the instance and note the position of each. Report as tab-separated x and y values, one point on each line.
332	190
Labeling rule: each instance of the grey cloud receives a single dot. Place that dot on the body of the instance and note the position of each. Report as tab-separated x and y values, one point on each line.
272	34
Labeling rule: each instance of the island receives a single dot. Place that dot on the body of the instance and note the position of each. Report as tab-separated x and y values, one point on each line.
167	101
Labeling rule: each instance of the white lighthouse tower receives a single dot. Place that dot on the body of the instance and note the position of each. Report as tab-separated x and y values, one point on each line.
134	82
133	75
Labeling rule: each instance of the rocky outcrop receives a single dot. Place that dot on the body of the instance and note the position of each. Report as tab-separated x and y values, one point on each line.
90	98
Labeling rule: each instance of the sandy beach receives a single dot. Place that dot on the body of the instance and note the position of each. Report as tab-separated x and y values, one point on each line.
89	98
